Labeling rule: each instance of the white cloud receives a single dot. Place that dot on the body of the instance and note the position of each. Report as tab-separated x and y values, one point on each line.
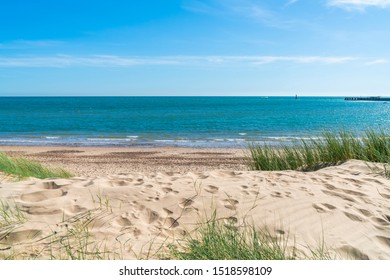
359	4
377	61
251	9
304	59
62	61
290	2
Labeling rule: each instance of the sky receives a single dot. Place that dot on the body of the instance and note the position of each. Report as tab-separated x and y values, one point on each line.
194	47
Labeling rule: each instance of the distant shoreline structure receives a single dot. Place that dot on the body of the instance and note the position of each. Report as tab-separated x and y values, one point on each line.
369	98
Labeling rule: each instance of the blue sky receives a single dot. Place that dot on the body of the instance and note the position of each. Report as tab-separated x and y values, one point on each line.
195	47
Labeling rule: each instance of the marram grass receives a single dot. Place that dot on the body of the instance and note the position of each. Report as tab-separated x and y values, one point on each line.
217	240
330	149
24	168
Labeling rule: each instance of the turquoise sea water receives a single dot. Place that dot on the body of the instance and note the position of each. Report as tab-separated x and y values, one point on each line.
181	121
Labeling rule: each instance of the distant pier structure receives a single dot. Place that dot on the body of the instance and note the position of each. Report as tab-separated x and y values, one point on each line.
369	98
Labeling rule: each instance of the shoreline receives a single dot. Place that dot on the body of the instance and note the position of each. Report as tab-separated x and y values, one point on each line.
95	161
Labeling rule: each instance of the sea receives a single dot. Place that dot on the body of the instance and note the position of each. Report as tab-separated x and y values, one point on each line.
201	122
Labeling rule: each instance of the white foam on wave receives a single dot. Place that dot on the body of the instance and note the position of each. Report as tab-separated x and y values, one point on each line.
166	140
235	140
108	139
290	138
22	141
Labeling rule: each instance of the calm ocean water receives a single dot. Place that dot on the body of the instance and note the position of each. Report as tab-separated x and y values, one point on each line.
181	121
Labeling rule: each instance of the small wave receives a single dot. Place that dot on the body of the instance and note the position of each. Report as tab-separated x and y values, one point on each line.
290	138
235	140
242	133
166	140
109	139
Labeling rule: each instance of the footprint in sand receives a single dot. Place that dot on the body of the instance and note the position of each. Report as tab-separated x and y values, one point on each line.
37	210
74	209
380	221
329	186
167	190
211	189
186	202
167	211
323	207
149	216
171	222
353	192
139	182
245	192
358	182
384	240
89	183
20	236
342	196
52	185
255	193
121	183
384	195
365	212
373	181
230	203
281	195
277	194
353	252
122	221
43	195
354	217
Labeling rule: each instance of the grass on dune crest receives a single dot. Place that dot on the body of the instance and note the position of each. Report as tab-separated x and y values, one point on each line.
330	149
24	168
219	241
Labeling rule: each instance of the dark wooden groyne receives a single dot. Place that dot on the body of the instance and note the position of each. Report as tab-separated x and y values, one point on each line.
369	98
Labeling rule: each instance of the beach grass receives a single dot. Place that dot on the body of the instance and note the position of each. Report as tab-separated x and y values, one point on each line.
10	214
315	153
24	168
221	240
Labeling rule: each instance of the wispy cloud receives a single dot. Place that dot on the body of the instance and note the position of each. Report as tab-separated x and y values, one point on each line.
359	4
304	59
290	2
242	8
377	61
63	61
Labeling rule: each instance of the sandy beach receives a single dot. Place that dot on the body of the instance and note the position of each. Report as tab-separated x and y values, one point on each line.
92	161
134	202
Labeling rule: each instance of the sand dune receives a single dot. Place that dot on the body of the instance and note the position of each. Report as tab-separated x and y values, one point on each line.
345	207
